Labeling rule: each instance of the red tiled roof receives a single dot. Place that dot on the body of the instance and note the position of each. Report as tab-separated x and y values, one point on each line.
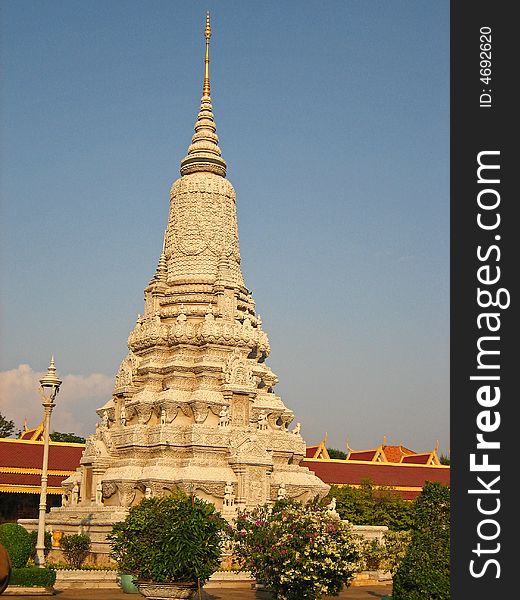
33	479
389	474
24	454
362	454
310	451
417	459
21	464
395	453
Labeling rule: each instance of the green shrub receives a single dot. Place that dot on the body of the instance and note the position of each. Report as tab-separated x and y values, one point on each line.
396	546
47	542
424	573
372	505
372	554
174	538
33	577
75	548
17	542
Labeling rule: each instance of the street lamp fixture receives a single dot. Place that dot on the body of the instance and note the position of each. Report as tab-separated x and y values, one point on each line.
49	388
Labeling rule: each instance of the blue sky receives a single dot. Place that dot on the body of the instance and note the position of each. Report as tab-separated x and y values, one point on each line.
333	118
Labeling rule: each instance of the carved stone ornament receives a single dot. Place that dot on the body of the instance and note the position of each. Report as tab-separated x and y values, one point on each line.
238	371
200	411
91	449
109	488
126	370
213	489
126	493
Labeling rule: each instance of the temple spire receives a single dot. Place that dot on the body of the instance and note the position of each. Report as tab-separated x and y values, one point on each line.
207	35
204	155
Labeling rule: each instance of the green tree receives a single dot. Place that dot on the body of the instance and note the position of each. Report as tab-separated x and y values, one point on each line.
335	453
6	427
71	438
444	459
424	573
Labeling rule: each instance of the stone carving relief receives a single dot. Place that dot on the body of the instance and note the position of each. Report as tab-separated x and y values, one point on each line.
262	421
282	492
200	411
224	419
250	449
166	411
75	493
256	481
149	331
92	449
208	223
144	412
126	493
240	411
213	489
109	488
99	493
126	370
238	371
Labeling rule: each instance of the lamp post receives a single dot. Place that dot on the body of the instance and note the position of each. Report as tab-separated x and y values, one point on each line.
49	387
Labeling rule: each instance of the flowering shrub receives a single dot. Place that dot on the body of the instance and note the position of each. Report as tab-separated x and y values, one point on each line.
300	552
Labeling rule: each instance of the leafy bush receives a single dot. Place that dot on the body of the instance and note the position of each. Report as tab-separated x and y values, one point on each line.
372	554
372	505
169	539
396	546
298	551
47	542
33	577
424	572
75	548
17	542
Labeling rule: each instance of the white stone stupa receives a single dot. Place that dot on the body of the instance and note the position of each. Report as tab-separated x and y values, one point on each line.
194	405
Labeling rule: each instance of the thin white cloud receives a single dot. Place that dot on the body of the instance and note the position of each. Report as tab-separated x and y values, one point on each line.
76	402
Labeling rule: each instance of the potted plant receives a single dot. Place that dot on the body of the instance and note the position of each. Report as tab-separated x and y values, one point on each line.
170	545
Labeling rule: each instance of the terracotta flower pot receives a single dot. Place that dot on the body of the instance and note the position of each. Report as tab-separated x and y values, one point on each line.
166	591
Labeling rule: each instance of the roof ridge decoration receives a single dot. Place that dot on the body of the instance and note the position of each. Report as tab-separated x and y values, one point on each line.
34	433
204	154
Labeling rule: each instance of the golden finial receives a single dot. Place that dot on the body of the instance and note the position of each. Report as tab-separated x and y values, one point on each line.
207	35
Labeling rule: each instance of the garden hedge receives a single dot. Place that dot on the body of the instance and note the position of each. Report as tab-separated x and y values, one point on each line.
33	577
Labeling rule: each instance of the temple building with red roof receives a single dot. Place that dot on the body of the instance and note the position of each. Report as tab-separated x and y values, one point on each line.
21	471
391	466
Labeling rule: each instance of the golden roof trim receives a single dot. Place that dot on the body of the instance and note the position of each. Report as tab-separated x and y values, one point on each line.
28	489
33	471
380	464
19	441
